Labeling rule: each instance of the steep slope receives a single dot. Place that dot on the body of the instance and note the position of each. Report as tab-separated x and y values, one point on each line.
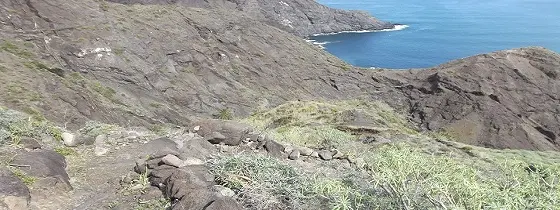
152	64
506	99
300	17
135	64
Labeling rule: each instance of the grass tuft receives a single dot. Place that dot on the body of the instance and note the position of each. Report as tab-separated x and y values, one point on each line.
263	182
65	151
26	179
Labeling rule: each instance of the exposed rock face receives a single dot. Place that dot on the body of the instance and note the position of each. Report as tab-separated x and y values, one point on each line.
92	60
300	17
507	99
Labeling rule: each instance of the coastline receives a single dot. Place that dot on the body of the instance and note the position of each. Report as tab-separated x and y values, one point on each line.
396	27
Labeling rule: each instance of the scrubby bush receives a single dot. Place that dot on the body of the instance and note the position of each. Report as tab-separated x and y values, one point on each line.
14	125
263	182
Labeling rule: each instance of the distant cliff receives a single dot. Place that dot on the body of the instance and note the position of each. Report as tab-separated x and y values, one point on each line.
300	17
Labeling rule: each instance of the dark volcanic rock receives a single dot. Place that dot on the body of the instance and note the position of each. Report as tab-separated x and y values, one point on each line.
14	195
300	17
223	131
507	99
30	143
274	148
46	165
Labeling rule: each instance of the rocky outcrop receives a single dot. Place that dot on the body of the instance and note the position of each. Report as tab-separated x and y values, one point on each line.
507	99
300	17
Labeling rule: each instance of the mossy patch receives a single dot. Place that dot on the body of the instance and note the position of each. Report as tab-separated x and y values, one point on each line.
14	49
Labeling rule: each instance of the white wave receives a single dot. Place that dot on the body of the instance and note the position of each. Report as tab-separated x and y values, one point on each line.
395	28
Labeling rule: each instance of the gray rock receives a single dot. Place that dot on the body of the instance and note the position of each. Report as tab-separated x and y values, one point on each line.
288	149
314	154
215	138
325	155
158	148
44	164
274	148
14	195
172	160
305	151
141	166
294	155
224	191
338	155
254	136
30	143
233	132
191	161
69	139
198	148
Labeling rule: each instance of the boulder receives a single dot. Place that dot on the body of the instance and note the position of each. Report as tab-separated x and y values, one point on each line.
288	149
338	155
314	154
274	148
14	195
44	164
294	155
158	148
305	151
191	189
215	138
70	139
198	148
172	160
325	155
30	143
234	132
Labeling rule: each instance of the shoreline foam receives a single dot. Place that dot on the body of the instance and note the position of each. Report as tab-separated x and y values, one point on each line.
395	28
321	44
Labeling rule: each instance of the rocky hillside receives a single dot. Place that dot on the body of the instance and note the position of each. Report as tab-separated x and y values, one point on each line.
507	99
300	17
107	105
134	64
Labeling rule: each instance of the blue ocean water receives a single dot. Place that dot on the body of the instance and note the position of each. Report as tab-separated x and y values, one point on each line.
444	30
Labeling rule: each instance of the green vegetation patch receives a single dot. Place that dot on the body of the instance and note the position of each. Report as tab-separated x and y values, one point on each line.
413	171
93	129
264	181
65	151
316	124
14	49
412	179
14	125
26	179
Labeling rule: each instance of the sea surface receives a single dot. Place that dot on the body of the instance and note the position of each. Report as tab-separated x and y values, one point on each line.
443	30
